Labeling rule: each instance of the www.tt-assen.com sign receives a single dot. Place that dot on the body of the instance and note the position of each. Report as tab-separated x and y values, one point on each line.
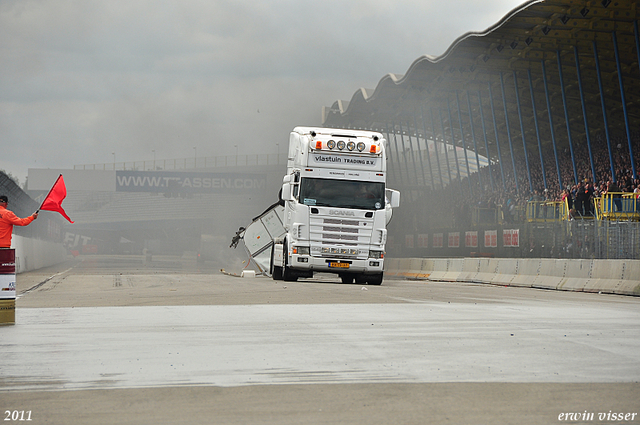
166	181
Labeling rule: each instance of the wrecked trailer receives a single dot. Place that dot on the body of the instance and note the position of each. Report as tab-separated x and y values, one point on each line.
259	236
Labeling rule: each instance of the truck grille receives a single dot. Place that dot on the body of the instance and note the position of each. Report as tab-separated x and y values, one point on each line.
341	232
339	229
339	237
343	222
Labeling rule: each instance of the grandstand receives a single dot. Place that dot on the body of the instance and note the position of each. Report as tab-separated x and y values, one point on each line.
550	96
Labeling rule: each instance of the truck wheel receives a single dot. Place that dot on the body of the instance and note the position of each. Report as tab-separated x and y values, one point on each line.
347	279
276	271
287	274
375	279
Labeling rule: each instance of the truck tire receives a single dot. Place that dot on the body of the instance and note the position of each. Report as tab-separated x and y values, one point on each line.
276	271
375	279
347	279
287	274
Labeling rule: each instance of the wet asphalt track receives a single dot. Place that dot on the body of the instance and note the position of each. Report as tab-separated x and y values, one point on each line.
248	348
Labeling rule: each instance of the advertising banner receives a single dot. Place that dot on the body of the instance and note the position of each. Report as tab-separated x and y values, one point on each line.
511	237
454	240
188	182
7	274
423	241
471	239
490	238
408	241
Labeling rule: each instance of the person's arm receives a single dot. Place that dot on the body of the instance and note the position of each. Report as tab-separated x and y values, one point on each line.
17	221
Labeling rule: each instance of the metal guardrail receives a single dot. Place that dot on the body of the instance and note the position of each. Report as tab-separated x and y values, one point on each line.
547	211
616	206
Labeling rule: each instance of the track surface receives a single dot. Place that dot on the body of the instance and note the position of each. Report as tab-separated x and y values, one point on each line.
114	340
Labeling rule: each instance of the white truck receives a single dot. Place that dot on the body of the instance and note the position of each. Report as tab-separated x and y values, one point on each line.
333	209
336	206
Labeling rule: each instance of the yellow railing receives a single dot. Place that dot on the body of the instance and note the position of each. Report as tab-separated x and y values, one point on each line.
545	211
618	206
610	206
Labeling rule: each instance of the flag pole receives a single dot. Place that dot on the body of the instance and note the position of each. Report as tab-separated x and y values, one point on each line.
45	198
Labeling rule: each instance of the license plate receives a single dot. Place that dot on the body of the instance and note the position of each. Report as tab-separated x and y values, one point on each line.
339	265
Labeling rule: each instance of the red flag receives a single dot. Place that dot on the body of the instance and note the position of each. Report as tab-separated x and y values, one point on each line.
53	201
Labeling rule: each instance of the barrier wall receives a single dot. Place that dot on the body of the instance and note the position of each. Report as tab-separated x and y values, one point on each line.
620	277
32	254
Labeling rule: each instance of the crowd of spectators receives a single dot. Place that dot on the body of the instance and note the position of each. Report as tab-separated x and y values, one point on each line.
487	190
579	189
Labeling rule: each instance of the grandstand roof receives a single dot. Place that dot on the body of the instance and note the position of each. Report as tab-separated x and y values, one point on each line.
540	48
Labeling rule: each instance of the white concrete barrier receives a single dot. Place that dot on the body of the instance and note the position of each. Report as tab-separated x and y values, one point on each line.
487	270
470	268
454	268
440	267
506	271
615	277
391	267
528	270
551	273
609	276
576	276
426	268
415	269
33	254
630	284
404	267
606	276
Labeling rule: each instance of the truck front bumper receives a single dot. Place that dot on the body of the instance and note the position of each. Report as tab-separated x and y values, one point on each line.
337	265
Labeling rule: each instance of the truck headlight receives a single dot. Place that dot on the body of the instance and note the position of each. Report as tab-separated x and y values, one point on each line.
301	250
376	254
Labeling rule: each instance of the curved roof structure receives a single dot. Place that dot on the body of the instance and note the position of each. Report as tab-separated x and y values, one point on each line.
552	74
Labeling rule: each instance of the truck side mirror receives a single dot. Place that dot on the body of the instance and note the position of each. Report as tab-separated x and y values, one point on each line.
286	192
393	197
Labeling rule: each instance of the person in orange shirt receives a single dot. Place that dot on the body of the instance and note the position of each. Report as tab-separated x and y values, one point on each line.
7	220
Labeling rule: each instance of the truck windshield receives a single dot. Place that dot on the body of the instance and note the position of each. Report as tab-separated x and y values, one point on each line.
342	193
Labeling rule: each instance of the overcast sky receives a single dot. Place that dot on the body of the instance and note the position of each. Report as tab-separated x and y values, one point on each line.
81	79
